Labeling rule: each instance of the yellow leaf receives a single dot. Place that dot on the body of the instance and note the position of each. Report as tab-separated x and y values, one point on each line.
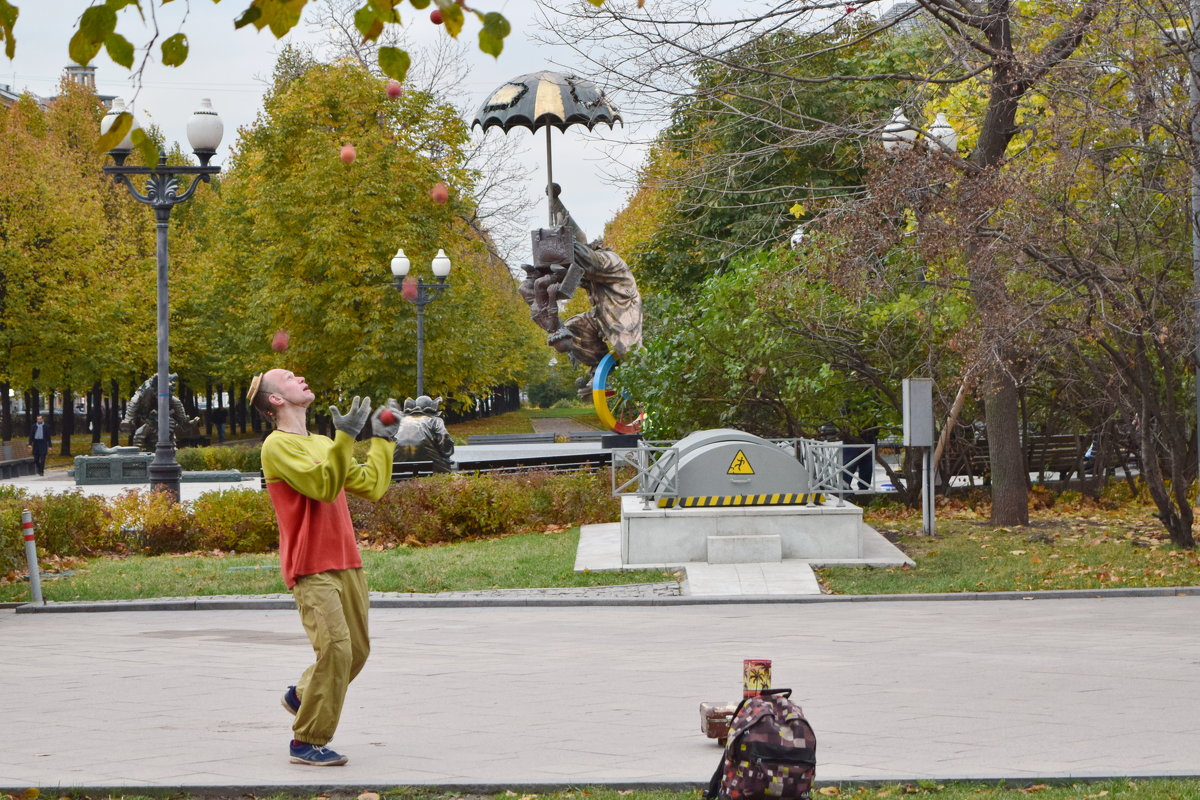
31	793
1016	552
830	791
797	210
368	796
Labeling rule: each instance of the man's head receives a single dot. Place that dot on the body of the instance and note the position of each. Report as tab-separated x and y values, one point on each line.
277	389
40	418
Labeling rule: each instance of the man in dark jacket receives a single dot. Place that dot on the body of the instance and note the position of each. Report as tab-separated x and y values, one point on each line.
39	440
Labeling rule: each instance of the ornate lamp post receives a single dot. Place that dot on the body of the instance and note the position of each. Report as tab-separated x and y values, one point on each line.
421	294
204	132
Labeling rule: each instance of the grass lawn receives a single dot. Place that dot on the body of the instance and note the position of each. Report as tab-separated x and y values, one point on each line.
520	421
1109	790
533	560
1077	547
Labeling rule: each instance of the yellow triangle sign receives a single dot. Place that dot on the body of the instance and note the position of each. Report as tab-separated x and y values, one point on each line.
740	465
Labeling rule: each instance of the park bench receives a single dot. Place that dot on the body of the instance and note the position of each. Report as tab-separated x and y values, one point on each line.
16	460
587	436
1061	454
511	438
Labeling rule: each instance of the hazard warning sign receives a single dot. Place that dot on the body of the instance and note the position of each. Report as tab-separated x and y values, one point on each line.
740	465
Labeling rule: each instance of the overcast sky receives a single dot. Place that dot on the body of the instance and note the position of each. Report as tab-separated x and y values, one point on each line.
232	68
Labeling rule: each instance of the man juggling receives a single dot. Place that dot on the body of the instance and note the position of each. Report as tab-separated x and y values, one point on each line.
307	477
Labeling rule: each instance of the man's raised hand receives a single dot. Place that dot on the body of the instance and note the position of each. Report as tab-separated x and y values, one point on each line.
352	421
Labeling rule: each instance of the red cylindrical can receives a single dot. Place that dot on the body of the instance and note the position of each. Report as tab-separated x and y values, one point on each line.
756	676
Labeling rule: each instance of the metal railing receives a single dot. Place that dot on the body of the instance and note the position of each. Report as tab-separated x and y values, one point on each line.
655	468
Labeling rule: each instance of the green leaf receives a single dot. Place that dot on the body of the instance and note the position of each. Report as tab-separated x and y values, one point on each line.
598	3
8	18
367	20
117	5
495	23
174	50
452	16
490	43
250	16
82	49
97	23
394	62
419	4
385	10
145	147
119	50
117	132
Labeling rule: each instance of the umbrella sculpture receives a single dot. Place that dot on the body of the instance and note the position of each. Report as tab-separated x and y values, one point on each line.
546	100
554	100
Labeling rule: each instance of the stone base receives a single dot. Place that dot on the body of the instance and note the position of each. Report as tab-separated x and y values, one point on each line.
678	535
120	468
744	549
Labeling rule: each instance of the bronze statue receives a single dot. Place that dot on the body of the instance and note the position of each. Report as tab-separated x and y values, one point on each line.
564	260
423	436
141	416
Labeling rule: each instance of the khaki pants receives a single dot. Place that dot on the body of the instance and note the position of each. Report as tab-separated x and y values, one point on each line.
333	607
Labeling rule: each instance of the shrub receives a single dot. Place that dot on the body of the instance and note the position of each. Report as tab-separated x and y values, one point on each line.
12	542
244	459
448	508
150	522
234	519
70	523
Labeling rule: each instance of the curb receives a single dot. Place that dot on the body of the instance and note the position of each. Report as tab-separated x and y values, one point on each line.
352	789
434	601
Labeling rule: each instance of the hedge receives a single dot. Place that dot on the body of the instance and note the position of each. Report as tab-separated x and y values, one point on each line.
434	510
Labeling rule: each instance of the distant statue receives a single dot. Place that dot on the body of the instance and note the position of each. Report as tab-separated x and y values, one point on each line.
141	416
423	435
563	261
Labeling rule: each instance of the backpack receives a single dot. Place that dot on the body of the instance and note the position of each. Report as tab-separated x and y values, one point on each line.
771	752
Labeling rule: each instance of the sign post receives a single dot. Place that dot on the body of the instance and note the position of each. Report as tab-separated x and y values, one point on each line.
918	432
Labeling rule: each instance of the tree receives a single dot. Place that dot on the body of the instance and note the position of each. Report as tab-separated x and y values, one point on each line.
1010	49
305	239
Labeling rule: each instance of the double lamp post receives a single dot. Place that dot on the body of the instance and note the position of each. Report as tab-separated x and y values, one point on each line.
204	132
421	294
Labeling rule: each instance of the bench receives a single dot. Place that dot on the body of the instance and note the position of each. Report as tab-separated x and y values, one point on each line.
511	438
1062	454
16	467
587	436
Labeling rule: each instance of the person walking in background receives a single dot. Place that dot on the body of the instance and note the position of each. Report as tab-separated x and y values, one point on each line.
307	477
219	416
39	440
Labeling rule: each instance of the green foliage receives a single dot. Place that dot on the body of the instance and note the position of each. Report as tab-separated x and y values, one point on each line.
69	523
244	459
557	384
12	542
150	522
234	519
449	508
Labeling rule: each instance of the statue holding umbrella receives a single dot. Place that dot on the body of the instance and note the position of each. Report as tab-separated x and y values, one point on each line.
563	258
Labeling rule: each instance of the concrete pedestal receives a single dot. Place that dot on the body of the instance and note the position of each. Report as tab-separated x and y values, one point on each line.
739	534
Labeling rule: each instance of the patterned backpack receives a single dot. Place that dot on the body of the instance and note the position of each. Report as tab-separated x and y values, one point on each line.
771	752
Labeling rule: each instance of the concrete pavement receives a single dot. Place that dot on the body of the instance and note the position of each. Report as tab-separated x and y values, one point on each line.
503	697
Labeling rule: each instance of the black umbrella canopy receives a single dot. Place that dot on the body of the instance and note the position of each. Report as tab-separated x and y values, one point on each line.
542	99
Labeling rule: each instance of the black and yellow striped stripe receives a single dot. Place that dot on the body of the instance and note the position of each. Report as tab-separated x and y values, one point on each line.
714	501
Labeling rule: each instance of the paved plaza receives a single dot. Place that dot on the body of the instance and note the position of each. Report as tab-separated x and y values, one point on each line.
539	696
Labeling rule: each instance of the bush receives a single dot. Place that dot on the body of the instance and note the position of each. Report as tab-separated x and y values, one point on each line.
12	542
450	508
150	522
244	459
70	523
234	519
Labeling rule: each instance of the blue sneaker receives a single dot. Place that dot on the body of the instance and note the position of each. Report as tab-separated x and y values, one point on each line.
291	701
315	755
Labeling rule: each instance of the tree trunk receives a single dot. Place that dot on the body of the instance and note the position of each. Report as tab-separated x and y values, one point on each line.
6	426
1010	482
208	407
96	411
68	421
114	413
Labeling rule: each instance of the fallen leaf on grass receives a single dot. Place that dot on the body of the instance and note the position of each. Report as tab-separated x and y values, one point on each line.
368	796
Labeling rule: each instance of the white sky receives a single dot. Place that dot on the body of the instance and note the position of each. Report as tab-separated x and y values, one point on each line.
232	67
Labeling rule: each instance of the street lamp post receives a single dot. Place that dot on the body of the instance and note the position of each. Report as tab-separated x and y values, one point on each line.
421	294
162	194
